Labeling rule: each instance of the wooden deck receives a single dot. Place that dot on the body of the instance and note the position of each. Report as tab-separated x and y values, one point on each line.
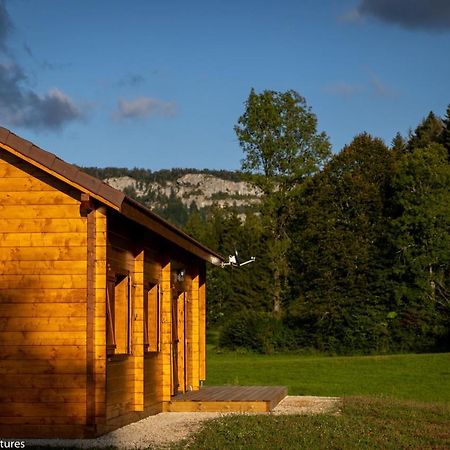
229	398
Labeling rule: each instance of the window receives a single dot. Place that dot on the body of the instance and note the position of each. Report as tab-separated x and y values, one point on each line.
151	318
118	314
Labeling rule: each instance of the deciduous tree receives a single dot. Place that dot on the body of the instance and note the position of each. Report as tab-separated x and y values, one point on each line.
282	147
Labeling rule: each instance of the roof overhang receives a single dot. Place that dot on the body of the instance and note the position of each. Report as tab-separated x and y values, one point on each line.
105	194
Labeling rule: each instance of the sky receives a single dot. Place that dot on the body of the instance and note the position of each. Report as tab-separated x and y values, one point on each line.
161	84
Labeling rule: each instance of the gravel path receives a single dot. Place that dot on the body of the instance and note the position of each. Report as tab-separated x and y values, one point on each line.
166	428
308	405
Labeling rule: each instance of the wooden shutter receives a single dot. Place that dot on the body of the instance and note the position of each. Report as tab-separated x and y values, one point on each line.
122	314
110	317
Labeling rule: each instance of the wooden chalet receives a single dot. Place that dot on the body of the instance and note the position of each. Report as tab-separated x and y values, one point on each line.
102	302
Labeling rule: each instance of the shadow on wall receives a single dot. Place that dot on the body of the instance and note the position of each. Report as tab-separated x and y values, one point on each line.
42	351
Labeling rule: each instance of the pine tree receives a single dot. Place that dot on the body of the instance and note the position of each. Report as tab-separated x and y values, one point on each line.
420	238
399	144
338	283
232	290
445	136
427	132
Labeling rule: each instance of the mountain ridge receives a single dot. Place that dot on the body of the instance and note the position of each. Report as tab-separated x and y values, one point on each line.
173	192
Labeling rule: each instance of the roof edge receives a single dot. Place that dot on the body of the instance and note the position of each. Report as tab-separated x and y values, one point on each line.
172	233
104	193
66	172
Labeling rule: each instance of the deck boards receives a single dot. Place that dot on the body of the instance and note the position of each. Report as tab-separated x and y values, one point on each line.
229	398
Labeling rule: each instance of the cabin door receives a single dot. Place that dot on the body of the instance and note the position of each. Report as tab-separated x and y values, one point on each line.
179	320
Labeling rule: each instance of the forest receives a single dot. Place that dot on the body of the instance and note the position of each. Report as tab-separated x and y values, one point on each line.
352	248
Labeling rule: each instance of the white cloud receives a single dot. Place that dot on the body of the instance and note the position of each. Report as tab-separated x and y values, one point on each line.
143	107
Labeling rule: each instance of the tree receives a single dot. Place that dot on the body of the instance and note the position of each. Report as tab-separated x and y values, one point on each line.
399	144
174	210
232	290
427	132
419	235
445	136
278	135
338	289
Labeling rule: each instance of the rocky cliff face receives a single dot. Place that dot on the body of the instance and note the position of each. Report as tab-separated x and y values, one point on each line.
202	189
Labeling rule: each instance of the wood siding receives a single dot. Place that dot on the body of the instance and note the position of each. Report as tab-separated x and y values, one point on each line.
43	310
98	359
57	253
120	369
142	382
138	383
156	375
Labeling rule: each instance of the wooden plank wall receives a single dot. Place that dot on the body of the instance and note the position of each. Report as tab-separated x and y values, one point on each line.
157	364
193	326
43	261
56	381
190	340
138	383
138	331
164	358
99	345
120	369
202	321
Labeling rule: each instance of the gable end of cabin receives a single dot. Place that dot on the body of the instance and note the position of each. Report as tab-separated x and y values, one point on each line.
102	313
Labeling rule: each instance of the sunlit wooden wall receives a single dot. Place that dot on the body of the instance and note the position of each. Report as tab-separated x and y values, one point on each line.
43	259
56	379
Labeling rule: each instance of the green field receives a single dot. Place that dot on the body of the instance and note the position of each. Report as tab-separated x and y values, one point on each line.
390	402
364	423
424	377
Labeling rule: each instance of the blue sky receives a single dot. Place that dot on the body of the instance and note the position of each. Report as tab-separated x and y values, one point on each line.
160	84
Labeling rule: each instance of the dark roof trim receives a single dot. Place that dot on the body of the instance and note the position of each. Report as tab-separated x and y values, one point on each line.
106	194
69	172
139	213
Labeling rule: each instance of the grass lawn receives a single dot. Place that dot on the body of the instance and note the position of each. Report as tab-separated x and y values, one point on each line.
424	377
390	402
363	424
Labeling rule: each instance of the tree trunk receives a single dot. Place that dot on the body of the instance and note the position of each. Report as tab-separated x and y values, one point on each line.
432	283
276	292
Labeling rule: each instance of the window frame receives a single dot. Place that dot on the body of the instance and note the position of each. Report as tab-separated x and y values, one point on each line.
113	281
